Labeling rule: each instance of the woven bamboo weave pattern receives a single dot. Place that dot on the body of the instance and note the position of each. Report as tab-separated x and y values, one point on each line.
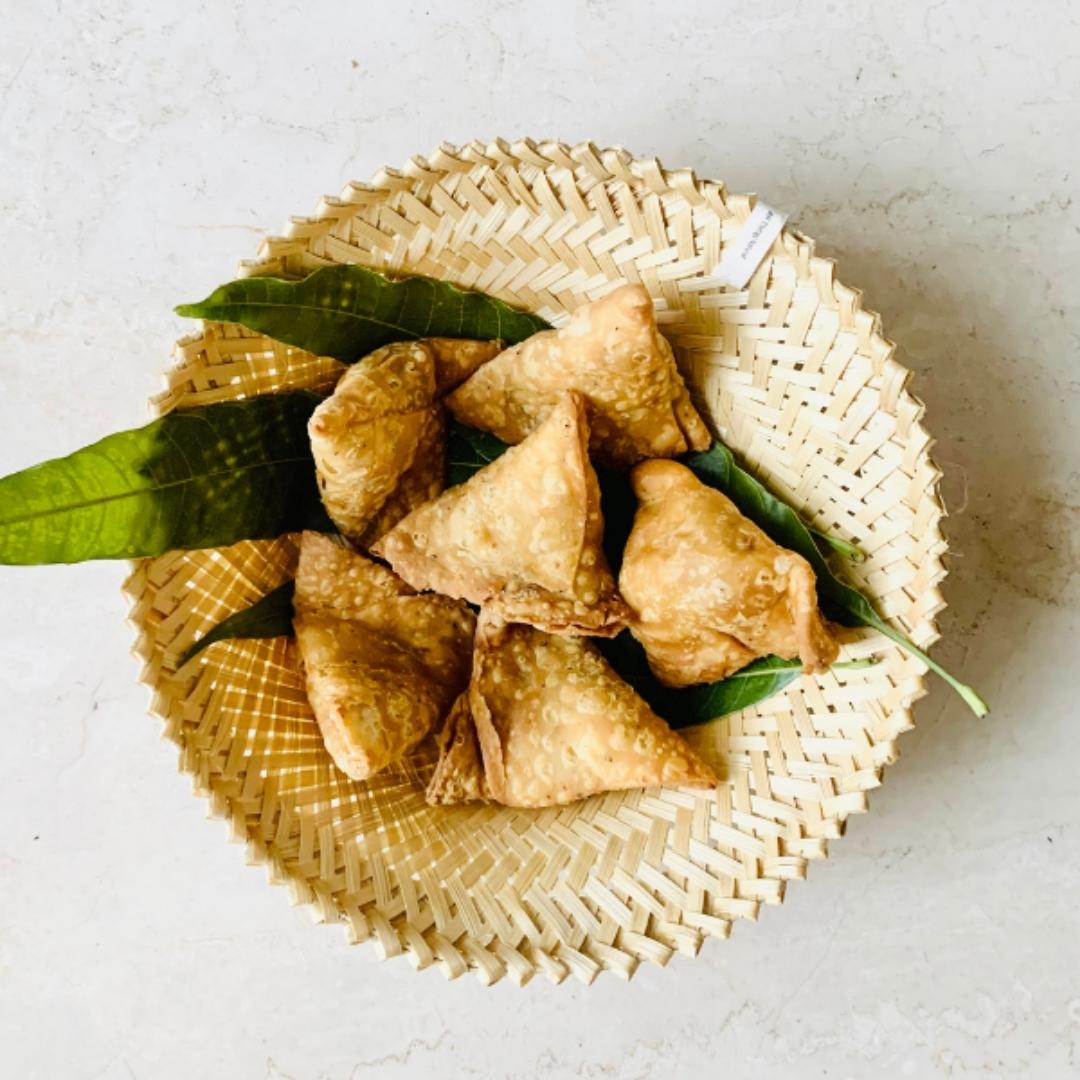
794	375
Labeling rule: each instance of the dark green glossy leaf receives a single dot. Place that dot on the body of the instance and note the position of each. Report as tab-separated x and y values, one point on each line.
696	704
717	467
692	705
471	450
203	477
268	617
348	311
618	504
468	450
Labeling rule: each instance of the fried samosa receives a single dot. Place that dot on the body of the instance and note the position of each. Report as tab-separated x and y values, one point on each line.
710	591
459	772
522	536
553	723
382	664
610	351
378	440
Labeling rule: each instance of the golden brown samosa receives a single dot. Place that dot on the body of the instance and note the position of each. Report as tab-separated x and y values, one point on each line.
710	591
381	663
554	724
610	351
522	536
378	440
459	772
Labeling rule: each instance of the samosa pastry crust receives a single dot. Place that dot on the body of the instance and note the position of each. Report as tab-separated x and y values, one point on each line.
522	536
459	772
419	483
710	591
458	358
556	724
381	663
372	698
379	440
610	351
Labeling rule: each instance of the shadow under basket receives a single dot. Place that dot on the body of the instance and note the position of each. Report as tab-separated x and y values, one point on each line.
794	376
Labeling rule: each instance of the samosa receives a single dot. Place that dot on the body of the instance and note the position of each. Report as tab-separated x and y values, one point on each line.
546	721
710	591
522	536
612	352
382	664
379	439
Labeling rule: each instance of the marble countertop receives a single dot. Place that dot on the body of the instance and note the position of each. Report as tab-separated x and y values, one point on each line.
145	147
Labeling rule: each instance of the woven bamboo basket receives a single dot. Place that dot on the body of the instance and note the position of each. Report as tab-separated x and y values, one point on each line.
794	375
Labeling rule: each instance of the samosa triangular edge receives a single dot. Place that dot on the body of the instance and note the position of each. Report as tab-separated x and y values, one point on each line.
522	536
612	352
555	723
381	664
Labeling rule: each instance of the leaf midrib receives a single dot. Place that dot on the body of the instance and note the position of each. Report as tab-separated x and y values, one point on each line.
67	507
233	304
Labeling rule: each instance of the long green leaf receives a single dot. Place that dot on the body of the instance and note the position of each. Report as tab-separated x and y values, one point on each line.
753	683
203	477
692	705
270	616
348	311
717	467
468	450
471	450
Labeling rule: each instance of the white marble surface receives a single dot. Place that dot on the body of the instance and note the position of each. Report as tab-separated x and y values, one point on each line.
145	147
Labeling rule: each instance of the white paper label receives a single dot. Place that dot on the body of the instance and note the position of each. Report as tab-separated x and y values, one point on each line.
744	255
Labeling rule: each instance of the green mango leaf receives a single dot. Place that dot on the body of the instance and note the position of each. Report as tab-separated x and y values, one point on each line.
760	679
203	477
717	467
272	616
468	450
690	705
349	311
268	617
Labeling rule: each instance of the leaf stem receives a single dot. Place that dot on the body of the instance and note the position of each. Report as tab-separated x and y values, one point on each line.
968	693
796	665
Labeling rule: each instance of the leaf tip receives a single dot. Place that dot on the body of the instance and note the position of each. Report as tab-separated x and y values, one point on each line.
189	654
851	552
